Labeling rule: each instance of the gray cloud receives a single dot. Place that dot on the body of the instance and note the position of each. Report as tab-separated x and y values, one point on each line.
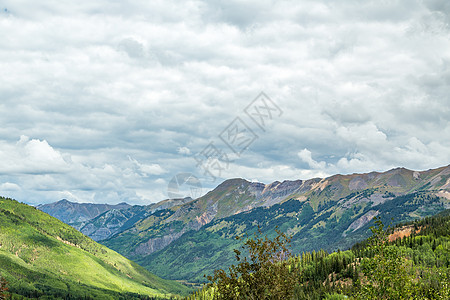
107	101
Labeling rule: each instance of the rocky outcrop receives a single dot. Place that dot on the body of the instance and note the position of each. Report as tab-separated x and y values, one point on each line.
363	220
357	183
276	192
155	244
110	222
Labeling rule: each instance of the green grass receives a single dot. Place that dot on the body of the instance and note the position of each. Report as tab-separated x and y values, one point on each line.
40	255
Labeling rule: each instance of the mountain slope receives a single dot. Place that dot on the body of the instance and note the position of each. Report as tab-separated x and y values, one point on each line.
238	195
211	247
320	213
40	255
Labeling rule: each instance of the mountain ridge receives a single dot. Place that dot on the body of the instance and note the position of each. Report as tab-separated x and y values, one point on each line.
74	212
337	209
237	196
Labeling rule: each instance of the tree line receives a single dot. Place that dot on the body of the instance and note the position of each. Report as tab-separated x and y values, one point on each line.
414	266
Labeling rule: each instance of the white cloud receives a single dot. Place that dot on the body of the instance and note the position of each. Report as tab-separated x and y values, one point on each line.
148	169
31	157
184	150
363	86
364	136
356	162
8	186
305	156
267	173
161	181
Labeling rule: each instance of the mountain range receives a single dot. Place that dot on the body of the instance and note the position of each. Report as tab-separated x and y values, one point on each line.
75	214
100	221
192	237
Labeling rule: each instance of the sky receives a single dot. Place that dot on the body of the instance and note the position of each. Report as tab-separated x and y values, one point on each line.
137	101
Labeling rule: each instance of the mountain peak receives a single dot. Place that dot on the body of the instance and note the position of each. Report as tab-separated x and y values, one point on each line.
74	212
232	181
64	201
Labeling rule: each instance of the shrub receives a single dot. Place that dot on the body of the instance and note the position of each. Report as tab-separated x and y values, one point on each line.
264	274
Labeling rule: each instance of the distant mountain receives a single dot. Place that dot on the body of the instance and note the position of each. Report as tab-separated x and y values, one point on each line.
101	221
187	240
115	220
42	256
77	213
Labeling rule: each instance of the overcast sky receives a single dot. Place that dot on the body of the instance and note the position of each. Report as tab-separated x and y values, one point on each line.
106	101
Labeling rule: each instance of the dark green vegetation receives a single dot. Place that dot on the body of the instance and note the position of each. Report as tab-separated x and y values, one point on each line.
41	257
189	240
408	262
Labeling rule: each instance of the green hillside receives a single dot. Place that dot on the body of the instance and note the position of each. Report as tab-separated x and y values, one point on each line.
40	255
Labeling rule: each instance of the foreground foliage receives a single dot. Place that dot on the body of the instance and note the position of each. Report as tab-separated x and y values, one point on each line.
388	275
265	274
415	266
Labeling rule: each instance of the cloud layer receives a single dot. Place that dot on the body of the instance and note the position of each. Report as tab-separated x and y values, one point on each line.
107	101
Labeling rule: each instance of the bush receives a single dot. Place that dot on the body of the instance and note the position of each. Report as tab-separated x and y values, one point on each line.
264	274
